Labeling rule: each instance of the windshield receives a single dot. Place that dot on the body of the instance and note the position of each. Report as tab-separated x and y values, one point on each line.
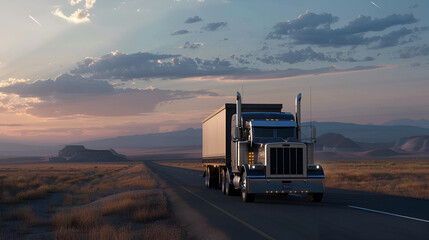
267	132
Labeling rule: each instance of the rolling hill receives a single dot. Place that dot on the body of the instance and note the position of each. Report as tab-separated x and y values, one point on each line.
336	142
369	133
188	137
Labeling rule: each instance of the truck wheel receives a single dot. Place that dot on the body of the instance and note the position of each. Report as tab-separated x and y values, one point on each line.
223	182
315	197
210	179
229	188
206	177
247	197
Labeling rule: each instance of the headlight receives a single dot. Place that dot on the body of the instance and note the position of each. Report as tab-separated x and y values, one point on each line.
256	166
315	167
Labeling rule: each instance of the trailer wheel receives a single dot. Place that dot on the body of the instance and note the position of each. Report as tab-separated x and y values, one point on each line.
315	197
247	197
223	182
206	177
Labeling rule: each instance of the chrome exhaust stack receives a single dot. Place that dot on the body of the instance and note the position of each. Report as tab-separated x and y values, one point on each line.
238	125
298	116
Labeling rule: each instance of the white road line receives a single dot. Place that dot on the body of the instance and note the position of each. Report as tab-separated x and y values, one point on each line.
391	214
296	195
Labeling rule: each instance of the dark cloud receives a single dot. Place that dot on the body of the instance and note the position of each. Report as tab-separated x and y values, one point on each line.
295	72
147	66
241	59
214	26
65	86
303	21
414	6
302	55
393	38
124	66
11	125
192	45
414	51
180	32
74	95
193	19
367	59
311	28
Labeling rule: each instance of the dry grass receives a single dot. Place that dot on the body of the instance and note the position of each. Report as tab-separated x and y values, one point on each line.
154	208
145	206
122	216
156	232
83	218
395	177
118	205
26	215
6	197
35	193
105	232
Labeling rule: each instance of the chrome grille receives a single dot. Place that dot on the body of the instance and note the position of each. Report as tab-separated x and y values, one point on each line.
286	161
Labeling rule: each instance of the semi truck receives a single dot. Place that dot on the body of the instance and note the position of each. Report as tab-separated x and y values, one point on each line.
253	149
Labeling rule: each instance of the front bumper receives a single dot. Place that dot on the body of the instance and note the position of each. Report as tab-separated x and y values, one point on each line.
264	185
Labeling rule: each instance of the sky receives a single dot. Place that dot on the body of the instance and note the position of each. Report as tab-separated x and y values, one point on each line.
74	70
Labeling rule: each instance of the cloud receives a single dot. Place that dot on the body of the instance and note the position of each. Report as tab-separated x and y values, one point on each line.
65	86
180	32
296	72
78	16
192	45
393	38
414	51
311	28
214	26
302	55
74	95
193	19
117	65
89	3
145	66
74	2
11	125
303	21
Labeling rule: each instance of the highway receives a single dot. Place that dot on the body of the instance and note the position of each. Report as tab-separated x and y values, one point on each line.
208	214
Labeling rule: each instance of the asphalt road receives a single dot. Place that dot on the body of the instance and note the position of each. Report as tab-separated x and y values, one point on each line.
341	214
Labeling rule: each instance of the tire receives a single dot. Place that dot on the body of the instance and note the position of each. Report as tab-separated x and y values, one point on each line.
315	197
229	188
207	178
223	181
211	177
247	197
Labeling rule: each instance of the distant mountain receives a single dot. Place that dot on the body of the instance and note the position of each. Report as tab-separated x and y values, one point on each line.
188	137
423	123
417	144
368	133
336	142
78	153
386	152
16	149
